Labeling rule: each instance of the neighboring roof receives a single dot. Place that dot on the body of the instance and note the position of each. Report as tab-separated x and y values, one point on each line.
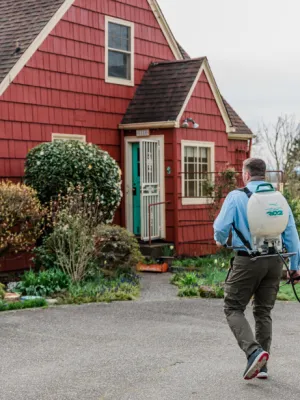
184	54
236	120
21	21
163	91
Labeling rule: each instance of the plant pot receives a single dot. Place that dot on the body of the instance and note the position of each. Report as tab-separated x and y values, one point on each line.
12	297
167	259
152	267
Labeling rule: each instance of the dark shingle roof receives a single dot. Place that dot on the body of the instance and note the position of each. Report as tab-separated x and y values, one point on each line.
236	120
183	52
162	92
21	21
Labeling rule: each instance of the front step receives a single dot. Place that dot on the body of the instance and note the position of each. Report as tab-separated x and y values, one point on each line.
155	250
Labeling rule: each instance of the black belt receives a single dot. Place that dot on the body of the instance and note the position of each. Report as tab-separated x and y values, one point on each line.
246	254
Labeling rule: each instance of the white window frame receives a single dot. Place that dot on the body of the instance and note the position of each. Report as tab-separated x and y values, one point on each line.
194	143
110	79
68	136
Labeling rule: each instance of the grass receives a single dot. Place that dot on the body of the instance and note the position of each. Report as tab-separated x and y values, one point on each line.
122	288
20	305
286	293
207	280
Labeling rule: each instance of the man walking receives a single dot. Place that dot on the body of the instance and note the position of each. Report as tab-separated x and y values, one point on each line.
247	278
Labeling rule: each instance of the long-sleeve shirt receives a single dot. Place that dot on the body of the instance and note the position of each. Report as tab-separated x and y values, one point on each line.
234	210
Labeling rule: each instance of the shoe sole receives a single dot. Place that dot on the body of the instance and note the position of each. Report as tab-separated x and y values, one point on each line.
256	366
262	375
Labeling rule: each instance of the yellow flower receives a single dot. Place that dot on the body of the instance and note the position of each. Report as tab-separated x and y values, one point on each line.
90	167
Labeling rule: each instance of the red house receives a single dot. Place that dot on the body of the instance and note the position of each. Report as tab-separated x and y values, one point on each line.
110	72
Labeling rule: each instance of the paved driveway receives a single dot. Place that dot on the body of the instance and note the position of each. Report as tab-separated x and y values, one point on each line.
159	348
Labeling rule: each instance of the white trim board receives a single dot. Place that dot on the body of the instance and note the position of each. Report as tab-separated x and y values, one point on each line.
194	143
20	64
165	29
128	140
68	136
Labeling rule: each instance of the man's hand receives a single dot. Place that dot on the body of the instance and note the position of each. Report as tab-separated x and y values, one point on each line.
219	244
295	275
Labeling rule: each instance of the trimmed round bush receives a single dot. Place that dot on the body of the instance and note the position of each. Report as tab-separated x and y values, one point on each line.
52	168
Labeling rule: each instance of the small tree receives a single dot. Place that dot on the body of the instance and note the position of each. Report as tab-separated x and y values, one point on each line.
21	218
280	139
225	181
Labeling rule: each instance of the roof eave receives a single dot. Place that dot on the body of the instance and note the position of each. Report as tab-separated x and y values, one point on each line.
149	125
240	136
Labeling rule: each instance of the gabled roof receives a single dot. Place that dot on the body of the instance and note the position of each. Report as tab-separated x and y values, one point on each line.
21	21
162	92
237	123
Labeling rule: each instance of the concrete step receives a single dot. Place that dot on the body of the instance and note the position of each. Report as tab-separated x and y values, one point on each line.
155	250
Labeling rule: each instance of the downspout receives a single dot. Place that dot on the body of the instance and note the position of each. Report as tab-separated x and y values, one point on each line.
122	166
176	195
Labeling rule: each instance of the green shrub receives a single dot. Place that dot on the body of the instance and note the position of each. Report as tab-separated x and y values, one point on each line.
20	305
294	203
116	248
43	283
51	168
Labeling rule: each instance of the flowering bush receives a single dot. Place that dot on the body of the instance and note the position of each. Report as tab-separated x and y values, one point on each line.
51	168
21	218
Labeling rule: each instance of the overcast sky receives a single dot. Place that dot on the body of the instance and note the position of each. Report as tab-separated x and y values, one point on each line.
253	47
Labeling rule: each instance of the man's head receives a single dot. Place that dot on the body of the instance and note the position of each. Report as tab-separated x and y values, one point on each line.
254	169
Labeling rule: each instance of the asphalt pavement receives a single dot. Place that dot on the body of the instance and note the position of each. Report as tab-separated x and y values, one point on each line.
158	348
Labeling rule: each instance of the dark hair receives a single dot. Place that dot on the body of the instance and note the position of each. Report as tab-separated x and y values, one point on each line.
255	167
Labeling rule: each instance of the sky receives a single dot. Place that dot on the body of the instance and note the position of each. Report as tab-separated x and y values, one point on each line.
253	48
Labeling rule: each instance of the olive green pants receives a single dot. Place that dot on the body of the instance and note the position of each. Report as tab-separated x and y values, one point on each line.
258	279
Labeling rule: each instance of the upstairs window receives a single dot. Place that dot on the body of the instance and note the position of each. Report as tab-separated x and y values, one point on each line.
119	50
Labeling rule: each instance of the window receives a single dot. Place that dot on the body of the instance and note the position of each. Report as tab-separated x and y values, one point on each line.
119	58
197	165
68	136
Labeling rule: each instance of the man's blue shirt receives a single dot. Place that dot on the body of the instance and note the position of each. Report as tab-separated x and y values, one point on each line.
234	210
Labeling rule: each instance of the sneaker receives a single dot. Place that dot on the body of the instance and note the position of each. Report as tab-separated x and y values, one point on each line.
263	373
256	362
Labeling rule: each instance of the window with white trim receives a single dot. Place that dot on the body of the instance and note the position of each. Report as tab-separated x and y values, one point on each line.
119	52
68	136
197	168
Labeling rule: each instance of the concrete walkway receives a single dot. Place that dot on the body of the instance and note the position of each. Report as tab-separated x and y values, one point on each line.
158	348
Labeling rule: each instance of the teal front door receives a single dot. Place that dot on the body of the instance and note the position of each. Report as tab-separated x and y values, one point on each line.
136	189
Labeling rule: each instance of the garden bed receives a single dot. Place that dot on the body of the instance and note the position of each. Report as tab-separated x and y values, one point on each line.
205	277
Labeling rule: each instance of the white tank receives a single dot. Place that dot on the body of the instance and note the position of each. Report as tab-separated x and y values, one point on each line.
268	213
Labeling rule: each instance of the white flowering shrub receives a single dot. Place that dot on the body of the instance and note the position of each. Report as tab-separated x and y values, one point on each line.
52	168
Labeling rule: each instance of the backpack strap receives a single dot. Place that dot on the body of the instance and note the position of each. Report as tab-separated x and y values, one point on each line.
247	191
239	233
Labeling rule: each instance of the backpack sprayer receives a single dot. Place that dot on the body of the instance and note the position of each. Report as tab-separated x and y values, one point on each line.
268	216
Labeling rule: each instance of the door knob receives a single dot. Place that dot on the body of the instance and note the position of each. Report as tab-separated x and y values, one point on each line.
134	191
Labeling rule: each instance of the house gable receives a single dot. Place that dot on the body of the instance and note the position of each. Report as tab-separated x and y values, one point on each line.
165	92
20	38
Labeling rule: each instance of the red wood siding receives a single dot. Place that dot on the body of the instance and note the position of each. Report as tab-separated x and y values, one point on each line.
62	88
193	220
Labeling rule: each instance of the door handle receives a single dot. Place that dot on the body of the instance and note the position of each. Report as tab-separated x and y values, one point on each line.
134	191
